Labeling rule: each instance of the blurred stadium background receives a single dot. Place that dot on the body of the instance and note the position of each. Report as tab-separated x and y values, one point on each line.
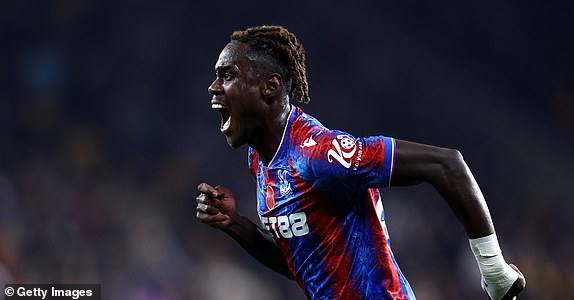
106	130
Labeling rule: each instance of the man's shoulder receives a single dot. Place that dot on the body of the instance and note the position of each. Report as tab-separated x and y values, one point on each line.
304	128
304	119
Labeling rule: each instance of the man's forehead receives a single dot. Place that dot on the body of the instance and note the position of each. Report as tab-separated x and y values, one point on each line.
233	54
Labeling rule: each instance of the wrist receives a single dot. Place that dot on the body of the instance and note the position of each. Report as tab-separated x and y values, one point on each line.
497	275
232	224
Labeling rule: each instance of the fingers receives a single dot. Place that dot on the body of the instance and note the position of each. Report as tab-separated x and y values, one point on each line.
206	205
209	200
207	189
515	268
517	286
209	214
212	219
207	210
210	205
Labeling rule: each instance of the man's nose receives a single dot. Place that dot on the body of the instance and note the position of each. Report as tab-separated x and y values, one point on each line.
215	87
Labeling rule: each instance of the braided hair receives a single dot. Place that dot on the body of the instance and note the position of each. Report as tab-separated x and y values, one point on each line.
278	50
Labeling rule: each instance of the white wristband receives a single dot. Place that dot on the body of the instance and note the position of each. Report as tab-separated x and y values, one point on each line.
497	275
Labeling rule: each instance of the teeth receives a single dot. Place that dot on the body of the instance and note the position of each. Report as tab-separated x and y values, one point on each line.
217	106
227	124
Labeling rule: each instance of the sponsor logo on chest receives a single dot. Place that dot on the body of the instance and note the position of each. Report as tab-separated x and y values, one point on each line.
287	226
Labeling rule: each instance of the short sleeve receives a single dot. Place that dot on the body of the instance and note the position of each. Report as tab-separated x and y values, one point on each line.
339	159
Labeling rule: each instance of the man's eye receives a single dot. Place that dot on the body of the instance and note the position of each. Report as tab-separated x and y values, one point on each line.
227	76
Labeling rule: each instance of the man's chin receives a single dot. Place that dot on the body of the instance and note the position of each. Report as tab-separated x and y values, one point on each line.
234	144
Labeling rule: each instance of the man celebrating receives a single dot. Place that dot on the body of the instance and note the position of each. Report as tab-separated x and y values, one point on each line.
322	220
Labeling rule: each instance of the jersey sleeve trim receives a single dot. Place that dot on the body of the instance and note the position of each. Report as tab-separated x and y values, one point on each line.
390	142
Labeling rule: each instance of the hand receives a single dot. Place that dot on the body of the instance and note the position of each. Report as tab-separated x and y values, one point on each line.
518	285
215	206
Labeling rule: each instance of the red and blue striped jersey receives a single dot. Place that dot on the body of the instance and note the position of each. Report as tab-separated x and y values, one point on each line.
319	198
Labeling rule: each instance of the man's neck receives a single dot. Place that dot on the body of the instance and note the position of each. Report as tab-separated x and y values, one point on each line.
270	140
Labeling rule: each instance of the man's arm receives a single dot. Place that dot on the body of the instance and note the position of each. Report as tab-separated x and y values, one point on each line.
447	172
216	207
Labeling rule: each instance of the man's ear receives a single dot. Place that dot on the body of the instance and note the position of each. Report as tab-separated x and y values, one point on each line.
271	86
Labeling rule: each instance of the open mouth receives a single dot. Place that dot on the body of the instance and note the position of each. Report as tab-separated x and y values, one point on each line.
225	116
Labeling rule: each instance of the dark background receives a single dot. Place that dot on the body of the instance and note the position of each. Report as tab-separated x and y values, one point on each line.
106	130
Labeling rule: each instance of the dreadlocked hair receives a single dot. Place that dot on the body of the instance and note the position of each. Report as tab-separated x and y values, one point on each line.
283	47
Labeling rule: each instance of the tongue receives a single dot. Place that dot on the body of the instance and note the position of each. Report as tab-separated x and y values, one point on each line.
227	124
